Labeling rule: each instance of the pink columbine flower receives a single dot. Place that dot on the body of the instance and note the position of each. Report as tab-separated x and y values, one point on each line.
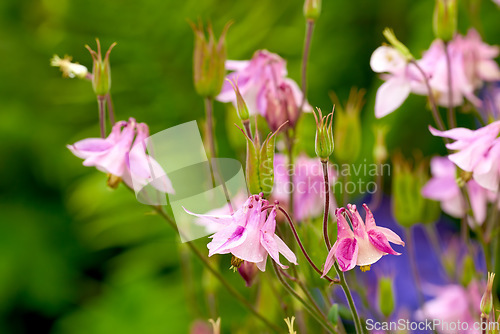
472	63
363	245
121	156
308	185
249	234
477	151
265	88
443	187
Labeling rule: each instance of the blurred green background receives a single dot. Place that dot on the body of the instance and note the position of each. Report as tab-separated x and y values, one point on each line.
77	257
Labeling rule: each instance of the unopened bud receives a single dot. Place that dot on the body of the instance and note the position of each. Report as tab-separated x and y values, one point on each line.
333	314
241	106
312	9
324	135
468	270
380	153
391	38
248	271
487	300
101	71
445	19
281	107
385	296
209	61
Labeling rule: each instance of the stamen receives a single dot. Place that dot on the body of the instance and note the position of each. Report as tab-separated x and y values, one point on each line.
365	268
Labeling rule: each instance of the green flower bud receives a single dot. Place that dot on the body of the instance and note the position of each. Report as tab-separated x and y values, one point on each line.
385	296
312	9
209	60
241	106
101	71
408	205
347	127
380	153
468	270
324	135
260	163
445	19
391	38
333	314
487	299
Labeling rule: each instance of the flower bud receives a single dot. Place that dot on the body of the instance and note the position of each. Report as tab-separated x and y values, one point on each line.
248	271
324	135
260	163
468	270
333	314
281	107
209	60
312	9
69	69
391	38
101	71
445	19
241	106
408	205
487	300
385	296
380	153
347	127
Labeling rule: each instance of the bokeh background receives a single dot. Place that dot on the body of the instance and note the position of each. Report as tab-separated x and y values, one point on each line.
77	257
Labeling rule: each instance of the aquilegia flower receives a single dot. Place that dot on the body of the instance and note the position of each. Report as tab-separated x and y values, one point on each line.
477	151
117	156
363	245
443	187
308	185
265	88
472	63
249	234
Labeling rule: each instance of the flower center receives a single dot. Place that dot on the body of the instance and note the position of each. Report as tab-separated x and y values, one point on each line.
365	268
235	263
113	181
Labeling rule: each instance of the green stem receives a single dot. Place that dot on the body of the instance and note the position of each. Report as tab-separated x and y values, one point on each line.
350	301
101	102
222	280
305	58
111	109
327	205
452	122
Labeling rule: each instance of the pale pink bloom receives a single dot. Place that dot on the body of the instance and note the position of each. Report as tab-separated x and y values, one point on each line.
265	88
308	185
362	245
249	234
443	187
453	303
471	62
477	151
120	155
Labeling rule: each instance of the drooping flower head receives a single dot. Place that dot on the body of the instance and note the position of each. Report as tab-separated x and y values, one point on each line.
362	245
249	234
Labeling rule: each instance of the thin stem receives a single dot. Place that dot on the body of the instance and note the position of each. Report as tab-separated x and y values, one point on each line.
302	301
101	102
248	129
297	238
327	205
214	168
222	280
432	101
289	142
350	300
451	112
305	58
111	109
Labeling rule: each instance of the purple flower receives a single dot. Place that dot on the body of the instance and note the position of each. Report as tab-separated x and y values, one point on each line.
266	90
308	185
443	187
363	245
471	61
117	156
249	234
477	151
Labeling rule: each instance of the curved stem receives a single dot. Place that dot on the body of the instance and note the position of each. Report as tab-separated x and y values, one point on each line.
111	109
294	293
101	102
432	101
350	300
222	280
291	172
327	205
297	238
305	58
451	113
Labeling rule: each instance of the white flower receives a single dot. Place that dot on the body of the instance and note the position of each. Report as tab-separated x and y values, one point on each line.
68	68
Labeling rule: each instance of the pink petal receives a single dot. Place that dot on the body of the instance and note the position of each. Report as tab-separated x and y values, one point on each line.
440	189
347	253
226	239
330	260
391	95
379	240
267	241
283	249
387	59
390	235
343	229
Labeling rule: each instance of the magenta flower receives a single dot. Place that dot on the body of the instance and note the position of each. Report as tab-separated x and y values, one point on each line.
249	234
443	187
308	185
477	151
471	62
117	156
363	245
266	90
